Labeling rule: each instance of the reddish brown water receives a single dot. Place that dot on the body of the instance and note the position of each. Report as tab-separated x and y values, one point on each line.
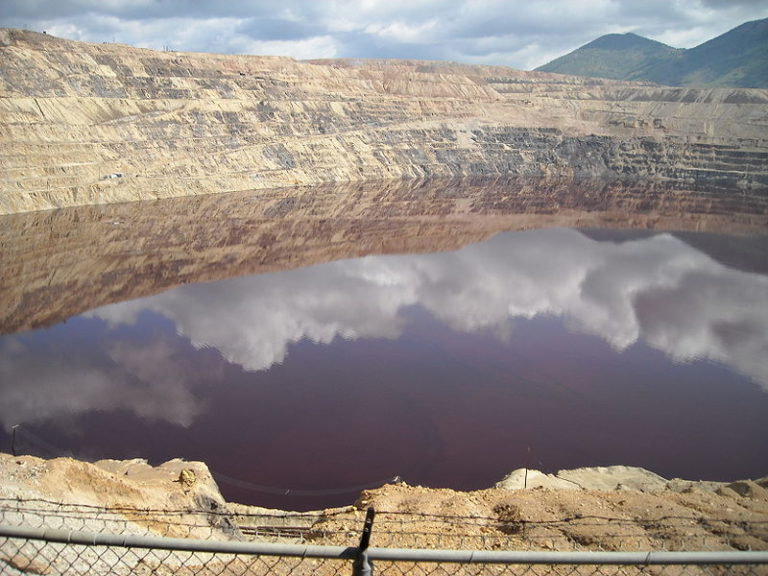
545	349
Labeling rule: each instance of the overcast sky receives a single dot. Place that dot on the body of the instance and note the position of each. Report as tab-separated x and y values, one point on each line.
518	33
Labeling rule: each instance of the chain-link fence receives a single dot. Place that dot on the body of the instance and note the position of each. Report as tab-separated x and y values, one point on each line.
45	537
505	529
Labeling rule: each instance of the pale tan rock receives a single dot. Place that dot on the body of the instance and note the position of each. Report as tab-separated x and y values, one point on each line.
143	497
102	123
125	497
598	478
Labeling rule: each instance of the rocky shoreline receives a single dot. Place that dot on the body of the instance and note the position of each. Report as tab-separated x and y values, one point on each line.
586	506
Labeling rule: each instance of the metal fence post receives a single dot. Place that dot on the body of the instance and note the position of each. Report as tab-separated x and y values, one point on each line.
362	566
13	440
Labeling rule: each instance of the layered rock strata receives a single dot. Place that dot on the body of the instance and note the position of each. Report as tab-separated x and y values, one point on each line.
100	123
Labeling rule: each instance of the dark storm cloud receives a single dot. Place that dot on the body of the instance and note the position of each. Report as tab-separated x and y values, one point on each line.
509	32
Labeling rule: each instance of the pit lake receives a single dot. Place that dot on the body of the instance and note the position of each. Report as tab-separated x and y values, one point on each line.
303	383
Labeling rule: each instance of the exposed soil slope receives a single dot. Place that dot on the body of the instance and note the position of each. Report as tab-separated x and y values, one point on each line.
615	508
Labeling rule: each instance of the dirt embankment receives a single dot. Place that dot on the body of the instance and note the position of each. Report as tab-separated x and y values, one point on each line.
101	123
615	508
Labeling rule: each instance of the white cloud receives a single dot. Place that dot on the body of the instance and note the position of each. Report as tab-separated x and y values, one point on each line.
252	320
399	31
658	290
687	38
508	32
40	384
316	47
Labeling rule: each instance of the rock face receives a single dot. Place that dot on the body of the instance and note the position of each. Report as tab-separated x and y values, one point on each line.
596	478
90	124
110	488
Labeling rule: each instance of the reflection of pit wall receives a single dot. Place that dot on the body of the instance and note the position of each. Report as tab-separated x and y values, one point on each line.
145	249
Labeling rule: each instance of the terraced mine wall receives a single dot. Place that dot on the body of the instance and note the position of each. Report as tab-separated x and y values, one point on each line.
102	123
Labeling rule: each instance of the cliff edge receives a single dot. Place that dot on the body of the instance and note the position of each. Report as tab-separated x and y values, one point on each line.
88	123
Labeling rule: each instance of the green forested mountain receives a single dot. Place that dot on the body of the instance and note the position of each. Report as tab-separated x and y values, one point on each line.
737	58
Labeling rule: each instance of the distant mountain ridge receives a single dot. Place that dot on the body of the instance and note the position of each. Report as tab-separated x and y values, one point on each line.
738	58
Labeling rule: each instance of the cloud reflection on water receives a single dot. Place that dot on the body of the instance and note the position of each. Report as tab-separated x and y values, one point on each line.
658	290
51	381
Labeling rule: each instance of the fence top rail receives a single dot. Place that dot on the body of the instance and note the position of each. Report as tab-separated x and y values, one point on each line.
386	554
583	557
